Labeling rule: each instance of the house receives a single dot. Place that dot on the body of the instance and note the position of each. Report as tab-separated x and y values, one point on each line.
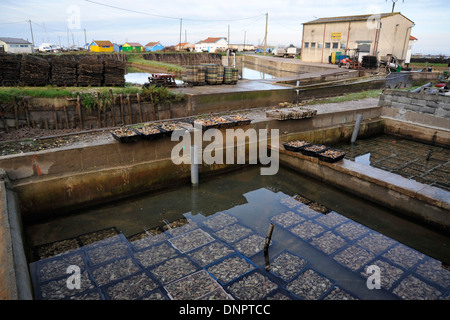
242	47
132	46
212	45
373	34
117	47
154	46
184	46
409	51
15	45
101	46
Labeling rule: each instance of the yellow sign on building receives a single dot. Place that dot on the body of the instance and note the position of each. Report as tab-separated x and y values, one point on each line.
336	35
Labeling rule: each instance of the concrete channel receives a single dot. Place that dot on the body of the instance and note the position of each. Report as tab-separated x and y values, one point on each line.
51	183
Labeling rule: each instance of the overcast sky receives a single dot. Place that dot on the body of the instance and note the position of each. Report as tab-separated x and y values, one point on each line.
64	21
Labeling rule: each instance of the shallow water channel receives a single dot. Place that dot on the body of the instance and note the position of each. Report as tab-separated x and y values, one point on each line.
207	242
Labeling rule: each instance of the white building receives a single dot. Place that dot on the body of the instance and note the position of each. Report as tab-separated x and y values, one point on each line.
211	45
409	51
376	34
14	45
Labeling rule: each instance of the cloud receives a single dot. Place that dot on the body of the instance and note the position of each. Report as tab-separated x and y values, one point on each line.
285	19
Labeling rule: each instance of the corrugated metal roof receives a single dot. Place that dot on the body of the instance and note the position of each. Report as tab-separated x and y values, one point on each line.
14	40
352	18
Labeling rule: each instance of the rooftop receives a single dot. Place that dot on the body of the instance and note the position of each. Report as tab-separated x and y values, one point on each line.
134	44
353	18
212	40
103	43
14	40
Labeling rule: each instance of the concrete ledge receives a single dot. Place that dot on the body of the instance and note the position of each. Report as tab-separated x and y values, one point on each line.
420	132
15	283
423	203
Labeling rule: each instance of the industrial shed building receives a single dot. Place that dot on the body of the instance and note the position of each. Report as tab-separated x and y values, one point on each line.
376	35
15	45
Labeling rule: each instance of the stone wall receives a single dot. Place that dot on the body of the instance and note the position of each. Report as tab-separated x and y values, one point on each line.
420	116
421	102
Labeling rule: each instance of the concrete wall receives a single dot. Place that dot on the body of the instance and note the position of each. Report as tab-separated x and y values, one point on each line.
423	203
284	64
51	182
62	113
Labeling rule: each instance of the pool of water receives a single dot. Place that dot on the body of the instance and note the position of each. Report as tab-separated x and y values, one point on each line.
207	242
141	78
252	72
414	160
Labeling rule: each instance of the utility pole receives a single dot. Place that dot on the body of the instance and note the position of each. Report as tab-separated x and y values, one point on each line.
181	27
85	41
32	37
68	41
228	37
265	36
245	35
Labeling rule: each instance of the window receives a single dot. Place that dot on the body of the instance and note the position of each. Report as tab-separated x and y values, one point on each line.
327	45
306	44
313	45
335	45
343	45
320	45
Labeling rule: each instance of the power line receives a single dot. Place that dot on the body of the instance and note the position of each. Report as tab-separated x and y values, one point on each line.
169	17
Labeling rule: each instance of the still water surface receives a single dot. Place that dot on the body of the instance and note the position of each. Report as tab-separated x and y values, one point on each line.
338	245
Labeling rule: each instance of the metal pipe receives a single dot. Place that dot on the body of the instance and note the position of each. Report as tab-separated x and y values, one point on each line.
194	165
420	88
194	158
356	129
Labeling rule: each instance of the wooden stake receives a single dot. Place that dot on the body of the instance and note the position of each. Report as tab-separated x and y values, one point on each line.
55	118
130	118
269	237
154	112
80	116
138	96
25	106
3	120
121	109
16	114
66	117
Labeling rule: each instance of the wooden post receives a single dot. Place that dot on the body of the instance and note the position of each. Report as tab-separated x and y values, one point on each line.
99	107
3	120
138	96
121	109
154	111
16	116
55	118
66	117
130	118
80	116
25	107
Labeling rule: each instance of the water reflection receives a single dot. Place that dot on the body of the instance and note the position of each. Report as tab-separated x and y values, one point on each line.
363	159
141	78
